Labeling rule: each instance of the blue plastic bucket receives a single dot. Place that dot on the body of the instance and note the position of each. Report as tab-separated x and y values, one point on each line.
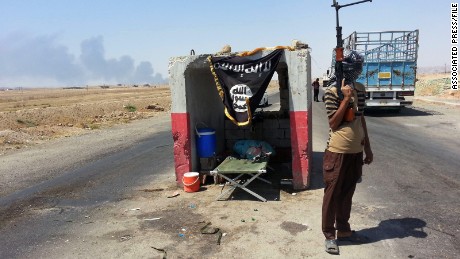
205	142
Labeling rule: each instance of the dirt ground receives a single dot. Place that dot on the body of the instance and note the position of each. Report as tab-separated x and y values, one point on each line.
33	116
435	85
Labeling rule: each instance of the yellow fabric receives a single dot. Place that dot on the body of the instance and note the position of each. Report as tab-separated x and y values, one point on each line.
249	53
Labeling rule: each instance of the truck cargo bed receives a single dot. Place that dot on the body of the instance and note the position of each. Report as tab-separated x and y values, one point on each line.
390	65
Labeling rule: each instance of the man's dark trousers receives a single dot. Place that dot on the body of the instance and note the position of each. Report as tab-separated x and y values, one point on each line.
341	172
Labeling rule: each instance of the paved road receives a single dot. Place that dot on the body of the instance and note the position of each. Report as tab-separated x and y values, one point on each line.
417	183
412	190
408	201
63	184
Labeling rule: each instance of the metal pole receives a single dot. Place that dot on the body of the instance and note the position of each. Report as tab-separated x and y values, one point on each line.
339	47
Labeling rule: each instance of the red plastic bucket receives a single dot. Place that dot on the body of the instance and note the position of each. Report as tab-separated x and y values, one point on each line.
191	181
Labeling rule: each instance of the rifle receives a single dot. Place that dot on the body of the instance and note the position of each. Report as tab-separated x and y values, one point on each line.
339	47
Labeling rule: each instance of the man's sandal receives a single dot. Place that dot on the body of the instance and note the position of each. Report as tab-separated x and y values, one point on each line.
331	246
354	238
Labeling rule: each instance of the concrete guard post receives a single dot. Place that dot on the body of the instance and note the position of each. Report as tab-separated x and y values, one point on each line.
300	116
195	99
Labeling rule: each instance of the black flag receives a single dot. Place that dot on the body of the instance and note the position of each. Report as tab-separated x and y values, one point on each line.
242	82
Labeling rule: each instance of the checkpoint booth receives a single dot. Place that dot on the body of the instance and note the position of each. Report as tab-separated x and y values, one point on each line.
197	104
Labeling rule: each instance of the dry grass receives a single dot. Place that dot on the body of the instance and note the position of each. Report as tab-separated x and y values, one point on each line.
435	85
35	115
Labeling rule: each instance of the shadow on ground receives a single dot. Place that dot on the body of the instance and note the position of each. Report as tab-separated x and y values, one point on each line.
316	178
404	111
393	228
271	192
280	175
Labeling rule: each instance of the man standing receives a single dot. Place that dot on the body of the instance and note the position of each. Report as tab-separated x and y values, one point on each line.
315	85
343	158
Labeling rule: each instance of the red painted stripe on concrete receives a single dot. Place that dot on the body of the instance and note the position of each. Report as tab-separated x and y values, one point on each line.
182	147
300	151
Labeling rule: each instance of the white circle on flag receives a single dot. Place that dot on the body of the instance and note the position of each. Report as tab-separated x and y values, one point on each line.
239	93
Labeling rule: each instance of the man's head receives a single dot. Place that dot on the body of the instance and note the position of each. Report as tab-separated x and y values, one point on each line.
352	65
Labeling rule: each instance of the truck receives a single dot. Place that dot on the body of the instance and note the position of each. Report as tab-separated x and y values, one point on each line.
326	77
390	66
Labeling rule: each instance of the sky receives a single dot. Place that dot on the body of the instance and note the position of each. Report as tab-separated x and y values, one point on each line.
54	43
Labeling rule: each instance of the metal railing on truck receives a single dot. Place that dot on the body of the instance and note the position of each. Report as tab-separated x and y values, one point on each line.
390	64
390	57
385	45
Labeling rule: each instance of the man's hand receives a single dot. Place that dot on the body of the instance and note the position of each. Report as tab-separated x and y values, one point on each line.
346	90
369	155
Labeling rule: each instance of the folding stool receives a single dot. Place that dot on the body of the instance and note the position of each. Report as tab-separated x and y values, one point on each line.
232	165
